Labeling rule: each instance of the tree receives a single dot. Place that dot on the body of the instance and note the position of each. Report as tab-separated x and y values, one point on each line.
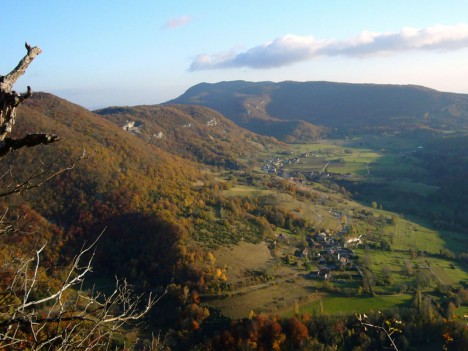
297	332
10	100
67	317
387	274
385	246
43	309
423	279
388	326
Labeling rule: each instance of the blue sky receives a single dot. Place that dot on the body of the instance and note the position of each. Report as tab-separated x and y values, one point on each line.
103	53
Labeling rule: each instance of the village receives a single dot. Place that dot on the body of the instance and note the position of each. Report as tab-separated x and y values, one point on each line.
322	253
274	165
293	168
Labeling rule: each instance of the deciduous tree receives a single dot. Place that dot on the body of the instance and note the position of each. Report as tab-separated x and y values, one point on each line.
37	310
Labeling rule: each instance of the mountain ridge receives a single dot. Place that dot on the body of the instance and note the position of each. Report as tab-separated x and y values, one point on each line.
343	106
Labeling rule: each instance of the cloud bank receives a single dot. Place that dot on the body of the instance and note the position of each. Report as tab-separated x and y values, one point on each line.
290	49
177	22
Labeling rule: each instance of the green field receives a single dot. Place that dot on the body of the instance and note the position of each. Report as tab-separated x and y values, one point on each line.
351	305
340	159
406	235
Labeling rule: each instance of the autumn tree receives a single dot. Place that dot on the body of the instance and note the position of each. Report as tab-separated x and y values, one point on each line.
41	309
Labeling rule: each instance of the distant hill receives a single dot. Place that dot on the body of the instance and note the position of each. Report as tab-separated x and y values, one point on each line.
263	106
195	132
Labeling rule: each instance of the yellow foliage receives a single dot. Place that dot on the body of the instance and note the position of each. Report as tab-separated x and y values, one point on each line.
218	273
211	258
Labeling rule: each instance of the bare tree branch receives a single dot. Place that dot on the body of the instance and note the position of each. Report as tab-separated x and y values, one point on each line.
388	327
68	318
30	140
39	177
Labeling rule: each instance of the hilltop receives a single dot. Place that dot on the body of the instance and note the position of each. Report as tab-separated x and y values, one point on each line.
337	106
194	132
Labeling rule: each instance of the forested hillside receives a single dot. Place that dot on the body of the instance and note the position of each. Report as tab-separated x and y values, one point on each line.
141	193
121	175
193	132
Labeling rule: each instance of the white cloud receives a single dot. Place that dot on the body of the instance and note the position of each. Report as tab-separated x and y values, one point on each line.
289	49
177	22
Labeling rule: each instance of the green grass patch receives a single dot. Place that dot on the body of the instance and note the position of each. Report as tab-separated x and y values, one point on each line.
407	235
342	159
407	186
445	274
350	305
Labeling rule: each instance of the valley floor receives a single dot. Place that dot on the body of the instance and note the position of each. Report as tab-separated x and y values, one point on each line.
396	256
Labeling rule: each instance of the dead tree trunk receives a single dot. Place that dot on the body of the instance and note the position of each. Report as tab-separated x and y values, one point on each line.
10	100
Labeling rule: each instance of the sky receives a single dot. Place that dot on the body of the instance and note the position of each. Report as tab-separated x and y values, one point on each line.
99	53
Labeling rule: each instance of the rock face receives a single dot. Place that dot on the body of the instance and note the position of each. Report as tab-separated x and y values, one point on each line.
132	126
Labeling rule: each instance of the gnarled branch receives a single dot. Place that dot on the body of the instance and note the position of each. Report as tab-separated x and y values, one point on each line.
7	82
29	140
38	177
67	318
10	100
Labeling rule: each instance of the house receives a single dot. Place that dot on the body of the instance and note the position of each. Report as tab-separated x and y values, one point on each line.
344	261
322	260
282	237
302	253
324	273
353	241
322	237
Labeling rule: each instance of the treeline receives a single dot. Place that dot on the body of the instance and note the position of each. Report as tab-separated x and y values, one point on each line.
416	328
446	160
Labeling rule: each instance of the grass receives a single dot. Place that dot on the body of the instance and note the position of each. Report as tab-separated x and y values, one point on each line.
342	159
407	186
445	273
350	305
454	241
408	235
244	190
395	261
